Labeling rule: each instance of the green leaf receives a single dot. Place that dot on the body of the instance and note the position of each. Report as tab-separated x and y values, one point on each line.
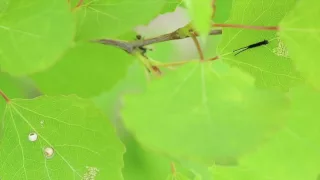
111	18
10	86
151	165
177	176
300	30
269	64
210	46
135	81
200	12
83	141
200	114
223	8
34	34
170	6
235	172
163	52
87	70
294	152
12	89
3	6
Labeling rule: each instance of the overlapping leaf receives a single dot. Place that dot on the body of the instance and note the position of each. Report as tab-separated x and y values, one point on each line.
11	88
3	5
300	31
270	64
197	113
111	18
293	153
223	9
200	12
84	142
171	6
34	34
87	70
110	101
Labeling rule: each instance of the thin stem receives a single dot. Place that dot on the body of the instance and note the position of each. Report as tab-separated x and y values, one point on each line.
213	4
214	58
173	169
196	42
177	63
79	3
272	28
5	97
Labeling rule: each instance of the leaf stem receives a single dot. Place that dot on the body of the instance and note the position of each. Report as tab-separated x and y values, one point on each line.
178	63
272	28
5	97
196	42
214	58
173	168
213	4
79	3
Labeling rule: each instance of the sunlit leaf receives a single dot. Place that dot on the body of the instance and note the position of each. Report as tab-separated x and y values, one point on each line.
87	70
111	18
61	137
34	34
200	114
223	8
171	6
293	153
270	64
200	12
300	30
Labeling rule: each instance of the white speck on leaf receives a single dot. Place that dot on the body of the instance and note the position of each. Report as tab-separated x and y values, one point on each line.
42	123
33	137
91	173
281	50
49	152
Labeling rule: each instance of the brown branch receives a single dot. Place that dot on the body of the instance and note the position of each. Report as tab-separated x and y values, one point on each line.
273	28
5	97
130	46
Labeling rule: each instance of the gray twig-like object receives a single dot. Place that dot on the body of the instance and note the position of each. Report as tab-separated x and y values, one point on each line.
130	46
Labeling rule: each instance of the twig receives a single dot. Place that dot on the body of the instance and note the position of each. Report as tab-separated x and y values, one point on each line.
5	97
130	46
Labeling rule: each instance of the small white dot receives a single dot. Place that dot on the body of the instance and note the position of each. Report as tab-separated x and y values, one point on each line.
49	152
33	137
42	123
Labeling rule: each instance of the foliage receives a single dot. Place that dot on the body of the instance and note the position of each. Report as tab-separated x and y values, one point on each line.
75	107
